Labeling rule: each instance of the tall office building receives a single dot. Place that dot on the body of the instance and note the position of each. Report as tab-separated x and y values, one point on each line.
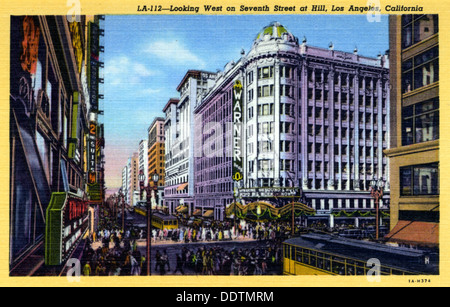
179	132
143	158
414	153
315	122
156	155
133	189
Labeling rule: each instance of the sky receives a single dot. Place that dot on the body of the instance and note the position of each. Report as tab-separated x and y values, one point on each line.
146	58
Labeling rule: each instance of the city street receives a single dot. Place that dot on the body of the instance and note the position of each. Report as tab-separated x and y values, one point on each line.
241	256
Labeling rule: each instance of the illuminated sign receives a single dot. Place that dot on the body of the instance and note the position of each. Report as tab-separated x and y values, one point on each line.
73	141
237	131
92	143
75	32
66	224
93	64
30	45
268	192
95	192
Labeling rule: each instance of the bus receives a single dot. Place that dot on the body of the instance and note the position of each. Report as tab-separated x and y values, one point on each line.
323	254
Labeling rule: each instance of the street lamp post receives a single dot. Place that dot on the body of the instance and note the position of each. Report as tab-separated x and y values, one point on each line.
376	191
148	189
122	198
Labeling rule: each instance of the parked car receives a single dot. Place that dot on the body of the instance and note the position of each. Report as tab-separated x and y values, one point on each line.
371	231
194	221
352	234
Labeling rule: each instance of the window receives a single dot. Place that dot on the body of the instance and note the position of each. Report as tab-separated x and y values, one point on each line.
250	77
250	113
265	109
285	72
250	148
285	127
265	146
250	95
419	180
266	128
250	130
286	165
420	122
286	90
265	72
265	165
251	165
417	28
265	91
421	70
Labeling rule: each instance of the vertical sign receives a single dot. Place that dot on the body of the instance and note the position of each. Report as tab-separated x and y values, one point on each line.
75	32
30	45
237	131
93	64
92	143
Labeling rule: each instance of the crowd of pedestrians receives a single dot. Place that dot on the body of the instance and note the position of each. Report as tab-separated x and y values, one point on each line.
116	252
116	255
218	231
206	260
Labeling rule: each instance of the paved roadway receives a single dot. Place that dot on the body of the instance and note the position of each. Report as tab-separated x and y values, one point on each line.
174	248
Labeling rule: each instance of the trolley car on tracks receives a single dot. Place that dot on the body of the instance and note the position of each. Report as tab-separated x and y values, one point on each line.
323	254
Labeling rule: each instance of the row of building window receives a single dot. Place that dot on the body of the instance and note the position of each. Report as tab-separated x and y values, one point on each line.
416	28
314	75
420	122
421	70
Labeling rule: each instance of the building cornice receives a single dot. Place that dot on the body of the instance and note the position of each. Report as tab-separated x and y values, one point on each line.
412	149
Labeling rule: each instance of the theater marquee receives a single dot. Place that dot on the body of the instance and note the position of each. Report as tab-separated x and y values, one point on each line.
237	131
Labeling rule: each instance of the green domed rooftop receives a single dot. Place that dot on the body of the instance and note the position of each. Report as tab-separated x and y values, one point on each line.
275	30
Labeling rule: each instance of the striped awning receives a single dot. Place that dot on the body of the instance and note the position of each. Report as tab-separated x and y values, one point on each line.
182	209
208	213
182	186
197	212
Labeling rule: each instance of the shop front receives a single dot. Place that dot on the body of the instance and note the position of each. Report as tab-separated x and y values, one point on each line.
67	225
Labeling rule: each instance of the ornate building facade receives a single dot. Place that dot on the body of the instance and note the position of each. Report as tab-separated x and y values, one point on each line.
316	122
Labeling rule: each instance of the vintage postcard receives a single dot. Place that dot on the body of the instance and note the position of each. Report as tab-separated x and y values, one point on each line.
209	143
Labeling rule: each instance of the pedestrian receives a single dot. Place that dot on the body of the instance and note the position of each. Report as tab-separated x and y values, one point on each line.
142	263
179	265
87	269
134	266
158	260
165	261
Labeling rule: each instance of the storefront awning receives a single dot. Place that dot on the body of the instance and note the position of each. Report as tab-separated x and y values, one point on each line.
182	209
416	233
197	212
182	186
208	213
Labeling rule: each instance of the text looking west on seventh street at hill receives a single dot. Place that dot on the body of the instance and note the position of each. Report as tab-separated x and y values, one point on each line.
277	8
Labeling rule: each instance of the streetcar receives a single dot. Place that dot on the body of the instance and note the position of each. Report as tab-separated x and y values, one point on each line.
160	220
323	254
164	221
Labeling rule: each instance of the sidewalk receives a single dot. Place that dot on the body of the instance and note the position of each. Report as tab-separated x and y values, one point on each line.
143	242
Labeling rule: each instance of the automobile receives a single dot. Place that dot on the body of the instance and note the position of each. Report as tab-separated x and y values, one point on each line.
206	223
352	234
194	221
371	231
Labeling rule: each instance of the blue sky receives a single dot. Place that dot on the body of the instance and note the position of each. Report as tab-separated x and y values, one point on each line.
147	56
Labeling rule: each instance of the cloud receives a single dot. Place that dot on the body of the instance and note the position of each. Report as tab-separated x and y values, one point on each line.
121	69
149	91
174	52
